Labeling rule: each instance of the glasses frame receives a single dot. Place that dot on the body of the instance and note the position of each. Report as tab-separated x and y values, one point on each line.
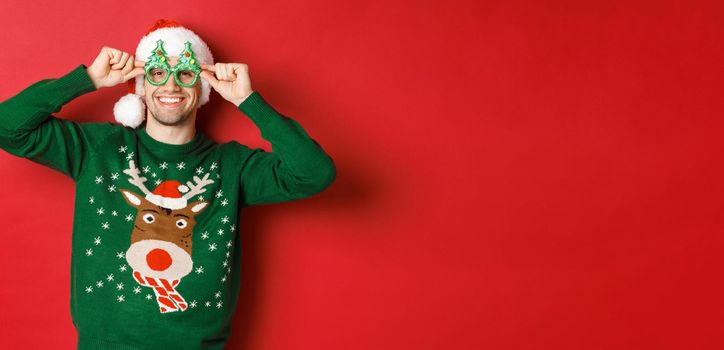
159	60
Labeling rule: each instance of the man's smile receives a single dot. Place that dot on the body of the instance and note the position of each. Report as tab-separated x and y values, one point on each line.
170	101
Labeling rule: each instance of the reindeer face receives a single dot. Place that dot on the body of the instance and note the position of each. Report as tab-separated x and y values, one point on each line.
155	222
161	239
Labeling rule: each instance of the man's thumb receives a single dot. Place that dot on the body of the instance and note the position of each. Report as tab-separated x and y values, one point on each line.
211	79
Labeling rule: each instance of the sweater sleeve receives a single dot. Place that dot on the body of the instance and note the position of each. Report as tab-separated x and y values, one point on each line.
29	130
296	168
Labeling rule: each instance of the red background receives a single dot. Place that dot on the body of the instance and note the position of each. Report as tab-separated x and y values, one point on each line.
511	174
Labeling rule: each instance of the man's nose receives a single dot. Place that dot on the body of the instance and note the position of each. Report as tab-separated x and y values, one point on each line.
171	83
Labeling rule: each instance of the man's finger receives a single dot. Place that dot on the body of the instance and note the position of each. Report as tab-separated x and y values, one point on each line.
114	55
211	79
134	73
121	61
240	68
230	73
128	67
139	64
207	67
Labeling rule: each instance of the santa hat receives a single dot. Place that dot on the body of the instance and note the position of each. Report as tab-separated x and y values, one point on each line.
130	109
168	195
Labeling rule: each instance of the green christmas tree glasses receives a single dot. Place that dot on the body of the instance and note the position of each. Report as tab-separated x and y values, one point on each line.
185	72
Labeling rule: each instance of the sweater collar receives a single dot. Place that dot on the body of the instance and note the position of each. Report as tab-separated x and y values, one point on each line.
168	148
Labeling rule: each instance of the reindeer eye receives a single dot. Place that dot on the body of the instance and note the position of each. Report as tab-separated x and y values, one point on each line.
149	218
181	223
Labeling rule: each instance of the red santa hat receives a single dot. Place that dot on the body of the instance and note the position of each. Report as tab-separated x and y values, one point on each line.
168	194
130	109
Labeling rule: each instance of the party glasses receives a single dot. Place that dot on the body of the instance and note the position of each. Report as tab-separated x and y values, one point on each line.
185	72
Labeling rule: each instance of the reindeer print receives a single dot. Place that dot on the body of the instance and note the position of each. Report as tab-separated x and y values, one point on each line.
162	237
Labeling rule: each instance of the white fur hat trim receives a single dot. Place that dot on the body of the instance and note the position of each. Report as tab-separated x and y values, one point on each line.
129	110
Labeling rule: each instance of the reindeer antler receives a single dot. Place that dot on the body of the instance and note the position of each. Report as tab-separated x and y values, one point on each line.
198	188
136	178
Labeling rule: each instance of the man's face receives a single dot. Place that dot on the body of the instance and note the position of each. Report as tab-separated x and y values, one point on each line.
163	104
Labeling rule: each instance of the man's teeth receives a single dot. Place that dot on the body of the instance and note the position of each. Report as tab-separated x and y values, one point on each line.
169	100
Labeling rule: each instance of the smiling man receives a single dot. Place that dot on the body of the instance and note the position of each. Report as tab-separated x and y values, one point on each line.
155	248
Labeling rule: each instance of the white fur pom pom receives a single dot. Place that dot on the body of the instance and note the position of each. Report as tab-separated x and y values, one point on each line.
129	110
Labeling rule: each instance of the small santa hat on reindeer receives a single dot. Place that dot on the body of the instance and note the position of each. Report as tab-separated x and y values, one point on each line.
168	194
130	110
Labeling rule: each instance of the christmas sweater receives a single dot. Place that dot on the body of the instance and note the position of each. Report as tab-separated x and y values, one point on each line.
155	250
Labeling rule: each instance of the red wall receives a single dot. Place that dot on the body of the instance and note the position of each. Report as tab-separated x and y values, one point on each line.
511	174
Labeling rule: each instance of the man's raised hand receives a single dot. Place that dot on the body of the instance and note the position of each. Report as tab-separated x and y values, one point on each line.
113	67
230	80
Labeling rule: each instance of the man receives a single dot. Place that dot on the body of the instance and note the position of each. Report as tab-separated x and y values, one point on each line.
155	260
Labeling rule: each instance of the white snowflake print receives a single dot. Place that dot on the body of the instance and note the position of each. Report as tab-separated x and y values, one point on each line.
164	165
223	279
146	169
224	202
112	188
119	286
212	247
106	225
114	213
228	244
100	211
114	176
200	269
129	156
120	255
199	170
218	193
232	227
218	305
129	217
200	197
97	240
89	289
109	278
217	295
225	263
227	254
137	290
91	200
205	235
213	166
148	296
121	298
225	219
122	149
123	268
221	231
181	165
153	174
89	252
157	181
192	304
99	179
217	175
207	304
99	284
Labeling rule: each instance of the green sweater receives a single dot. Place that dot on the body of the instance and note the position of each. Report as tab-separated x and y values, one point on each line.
156	254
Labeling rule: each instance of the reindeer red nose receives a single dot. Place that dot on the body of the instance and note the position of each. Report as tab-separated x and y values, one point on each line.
158	259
